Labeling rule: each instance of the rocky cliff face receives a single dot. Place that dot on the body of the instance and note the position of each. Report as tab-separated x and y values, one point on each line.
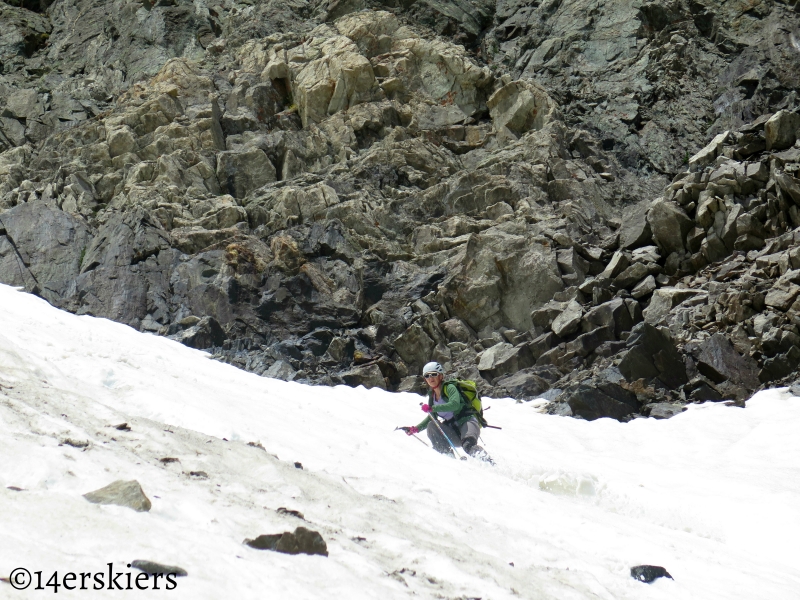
595	201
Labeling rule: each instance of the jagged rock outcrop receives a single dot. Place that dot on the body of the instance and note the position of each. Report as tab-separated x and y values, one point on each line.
597	202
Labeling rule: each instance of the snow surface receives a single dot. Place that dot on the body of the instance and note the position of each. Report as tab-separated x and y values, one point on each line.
713	494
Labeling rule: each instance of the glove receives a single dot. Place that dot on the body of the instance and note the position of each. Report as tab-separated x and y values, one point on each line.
411	430
426	408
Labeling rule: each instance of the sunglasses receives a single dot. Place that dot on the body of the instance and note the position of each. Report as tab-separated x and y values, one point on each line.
431	375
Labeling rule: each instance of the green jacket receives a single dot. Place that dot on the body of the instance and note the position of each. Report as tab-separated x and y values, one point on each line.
455	404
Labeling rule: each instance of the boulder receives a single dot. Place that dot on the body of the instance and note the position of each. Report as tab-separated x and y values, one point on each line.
503	358
543	343
300	541
670	226
652	355
121	493
414	346
665	410
154	568
782	295
644	287
613	314
664	300
719	361
635	230
648	573
790	185
240	173
370	376
41	248
520	106
526	384
121	140
455	330
598	397
618	263
710	151
206	333
572	265
340	350
499	278
631	276
781	130
569	320
585	344
282	370
780	366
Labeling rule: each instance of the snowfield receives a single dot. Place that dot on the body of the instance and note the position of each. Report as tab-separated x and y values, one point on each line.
712	495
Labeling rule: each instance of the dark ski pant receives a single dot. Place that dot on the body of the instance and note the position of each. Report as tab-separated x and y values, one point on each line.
470	430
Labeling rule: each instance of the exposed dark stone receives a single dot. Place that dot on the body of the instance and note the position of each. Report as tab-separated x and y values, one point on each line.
207	333
648	573
301	541
780	366
598	397
614	314
652	355
526	384
370	376
663	410
154	568
719	361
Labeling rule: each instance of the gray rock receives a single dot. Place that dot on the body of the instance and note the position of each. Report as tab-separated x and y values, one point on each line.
781	130
649	573
585	344
664	300
542	343
526	384
644	287
414	346
121	493
618	263
597	398
665	410
652	355
569	320
300	541
456	330
370	376
710	152
281	369
206	333
41	249
670	226
635	230
719	361
780	366
154	568
613	314
240	173
631	276
782	296
503	358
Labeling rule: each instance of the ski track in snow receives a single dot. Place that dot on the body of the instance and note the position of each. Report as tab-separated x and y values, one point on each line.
713	495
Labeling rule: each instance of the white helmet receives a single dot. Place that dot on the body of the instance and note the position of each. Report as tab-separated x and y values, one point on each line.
432	367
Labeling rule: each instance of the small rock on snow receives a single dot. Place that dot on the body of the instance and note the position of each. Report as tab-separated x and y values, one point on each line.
648	573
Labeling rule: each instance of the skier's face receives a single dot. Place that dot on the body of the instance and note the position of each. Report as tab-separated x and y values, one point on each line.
433	379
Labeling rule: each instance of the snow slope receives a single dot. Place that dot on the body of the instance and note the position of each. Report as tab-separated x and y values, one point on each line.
713	494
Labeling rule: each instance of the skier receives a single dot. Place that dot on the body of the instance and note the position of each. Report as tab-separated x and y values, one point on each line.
460	423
